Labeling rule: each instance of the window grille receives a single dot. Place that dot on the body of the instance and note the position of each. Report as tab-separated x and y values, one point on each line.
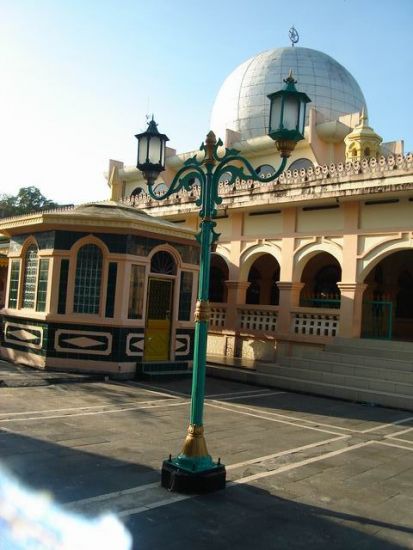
88	279
30	277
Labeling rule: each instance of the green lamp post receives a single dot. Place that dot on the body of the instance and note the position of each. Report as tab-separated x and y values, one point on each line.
193	470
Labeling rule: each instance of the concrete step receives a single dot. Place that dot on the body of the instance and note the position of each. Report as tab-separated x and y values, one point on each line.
330	365
350	349
356	360
372	383
327	389
371	343
390	349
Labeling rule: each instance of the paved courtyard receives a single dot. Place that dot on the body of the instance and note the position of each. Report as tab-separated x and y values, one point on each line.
303	471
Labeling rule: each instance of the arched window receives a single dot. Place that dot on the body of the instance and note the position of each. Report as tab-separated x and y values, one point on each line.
275	291
137	191
30	277
325	281
218	274
265	170
164	263
254	290
300	164
404	299
88	279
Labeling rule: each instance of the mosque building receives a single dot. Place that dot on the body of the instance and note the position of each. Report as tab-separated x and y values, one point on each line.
323	254
315	264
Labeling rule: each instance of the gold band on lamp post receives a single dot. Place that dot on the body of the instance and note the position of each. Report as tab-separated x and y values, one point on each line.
202	311
195	444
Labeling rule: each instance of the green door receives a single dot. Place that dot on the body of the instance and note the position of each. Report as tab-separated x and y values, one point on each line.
158	320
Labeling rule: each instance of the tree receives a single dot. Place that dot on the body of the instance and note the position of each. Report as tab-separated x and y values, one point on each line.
28	199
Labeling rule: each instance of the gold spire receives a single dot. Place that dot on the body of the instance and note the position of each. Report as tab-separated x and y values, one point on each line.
363	141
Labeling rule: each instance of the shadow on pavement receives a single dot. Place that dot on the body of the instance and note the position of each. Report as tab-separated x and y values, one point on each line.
246	517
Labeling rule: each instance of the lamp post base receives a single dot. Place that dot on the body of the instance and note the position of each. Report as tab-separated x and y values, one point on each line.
181	480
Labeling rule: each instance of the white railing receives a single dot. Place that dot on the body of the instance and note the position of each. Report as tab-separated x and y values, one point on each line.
315	323
259	318
218	314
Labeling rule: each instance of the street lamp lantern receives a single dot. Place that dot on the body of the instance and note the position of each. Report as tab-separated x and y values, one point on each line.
287	116
151	151
193	469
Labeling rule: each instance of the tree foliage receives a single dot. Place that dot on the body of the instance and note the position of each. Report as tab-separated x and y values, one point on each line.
28	199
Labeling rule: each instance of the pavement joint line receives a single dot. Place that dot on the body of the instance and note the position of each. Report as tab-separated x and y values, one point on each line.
382	426
173	498
89	413
289	417
79	408
286	452
351	430
287	467
270	418
401	432
388	444
140	488
145	508
241	481
241	393
155	389
235	397
399	439
114	494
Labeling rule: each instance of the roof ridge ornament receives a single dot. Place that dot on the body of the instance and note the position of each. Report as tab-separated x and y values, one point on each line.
294	36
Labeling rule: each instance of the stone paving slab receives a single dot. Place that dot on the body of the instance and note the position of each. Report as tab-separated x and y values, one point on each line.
303	471
15	376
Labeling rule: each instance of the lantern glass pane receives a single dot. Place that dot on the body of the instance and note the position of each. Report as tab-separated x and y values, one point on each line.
155	150
301	121
162	159
142	149
290	115
275	114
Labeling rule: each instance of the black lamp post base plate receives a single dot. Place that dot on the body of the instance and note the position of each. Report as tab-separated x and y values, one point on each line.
175	479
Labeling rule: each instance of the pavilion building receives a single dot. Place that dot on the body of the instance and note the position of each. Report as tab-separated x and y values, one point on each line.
100	287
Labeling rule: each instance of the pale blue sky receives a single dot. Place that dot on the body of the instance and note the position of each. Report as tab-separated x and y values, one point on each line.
78	77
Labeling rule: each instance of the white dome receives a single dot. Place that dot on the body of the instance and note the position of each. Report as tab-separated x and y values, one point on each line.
242	104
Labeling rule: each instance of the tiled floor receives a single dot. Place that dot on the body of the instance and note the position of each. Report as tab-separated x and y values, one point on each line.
302	471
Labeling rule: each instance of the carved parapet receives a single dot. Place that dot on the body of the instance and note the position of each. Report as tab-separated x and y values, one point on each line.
314	175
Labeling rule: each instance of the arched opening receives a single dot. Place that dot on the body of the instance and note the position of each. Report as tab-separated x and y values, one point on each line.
160	307
219	273
263	276
320	277
388	298
163	263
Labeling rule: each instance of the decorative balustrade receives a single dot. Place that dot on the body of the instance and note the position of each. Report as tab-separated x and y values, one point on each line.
322	175
218	313
315	323
258	318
